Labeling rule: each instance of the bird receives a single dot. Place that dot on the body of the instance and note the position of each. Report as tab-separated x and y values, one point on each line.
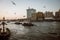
13	3
44	6
23	16
15	13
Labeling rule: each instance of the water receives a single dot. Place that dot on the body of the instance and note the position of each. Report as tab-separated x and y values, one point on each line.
38	32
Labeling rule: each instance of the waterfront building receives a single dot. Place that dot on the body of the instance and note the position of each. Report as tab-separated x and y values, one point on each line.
30	11
34	17
38	16
57	15
48	15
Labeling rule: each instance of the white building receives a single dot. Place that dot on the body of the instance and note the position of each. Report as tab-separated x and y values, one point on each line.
30	11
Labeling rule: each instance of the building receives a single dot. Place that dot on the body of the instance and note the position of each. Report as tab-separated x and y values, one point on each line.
48	15
30	11
57	15
37	16
40	16
34	17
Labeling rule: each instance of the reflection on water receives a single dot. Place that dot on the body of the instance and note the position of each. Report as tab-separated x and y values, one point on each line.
37	32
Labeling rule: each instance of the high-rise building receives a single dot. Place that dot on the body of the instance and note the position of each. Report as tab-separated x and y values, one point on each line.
30	11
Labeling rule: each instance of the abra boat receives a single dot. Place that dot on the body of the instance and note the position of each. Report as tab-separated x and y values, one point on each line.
17	23
28	24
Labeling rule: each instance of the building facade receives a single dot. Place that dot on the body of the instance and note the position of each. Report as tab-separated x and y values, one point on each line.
48	15
40	16
57	15
30	11
37	16
34	17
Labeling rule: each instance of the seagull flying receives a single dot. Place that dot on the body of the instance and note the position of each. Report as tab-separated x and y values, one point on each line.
23	16
13	3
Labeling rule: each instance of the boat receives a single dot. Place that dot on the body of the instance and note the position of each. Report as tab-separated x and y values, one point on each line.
8	21
17	23
28	24
4	32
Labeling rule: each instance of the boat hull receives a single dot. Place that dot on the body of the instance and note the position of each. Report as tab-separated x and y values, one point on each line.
27	24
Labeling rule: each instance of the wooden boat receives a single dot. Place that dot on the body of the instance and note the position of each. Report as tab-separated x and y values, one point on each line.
17	23
28	24
8	21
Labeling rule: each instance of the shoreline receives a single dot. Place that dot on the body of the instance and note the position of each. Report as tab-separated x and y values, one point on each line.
47	21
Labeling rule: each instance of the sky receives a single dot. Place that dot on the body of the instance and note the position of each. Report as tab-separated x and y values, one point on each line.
11	11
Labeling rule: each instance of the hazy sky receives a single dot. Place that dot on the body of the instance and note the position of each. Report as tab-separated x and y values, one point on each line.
8	10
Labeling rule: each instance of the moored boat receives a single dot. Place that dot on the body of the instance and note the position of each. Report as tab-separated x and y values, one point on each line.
17	23
28	24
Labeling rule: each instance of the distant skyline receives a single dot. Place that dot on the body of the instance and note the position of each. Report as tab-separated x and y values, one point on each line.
11	11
